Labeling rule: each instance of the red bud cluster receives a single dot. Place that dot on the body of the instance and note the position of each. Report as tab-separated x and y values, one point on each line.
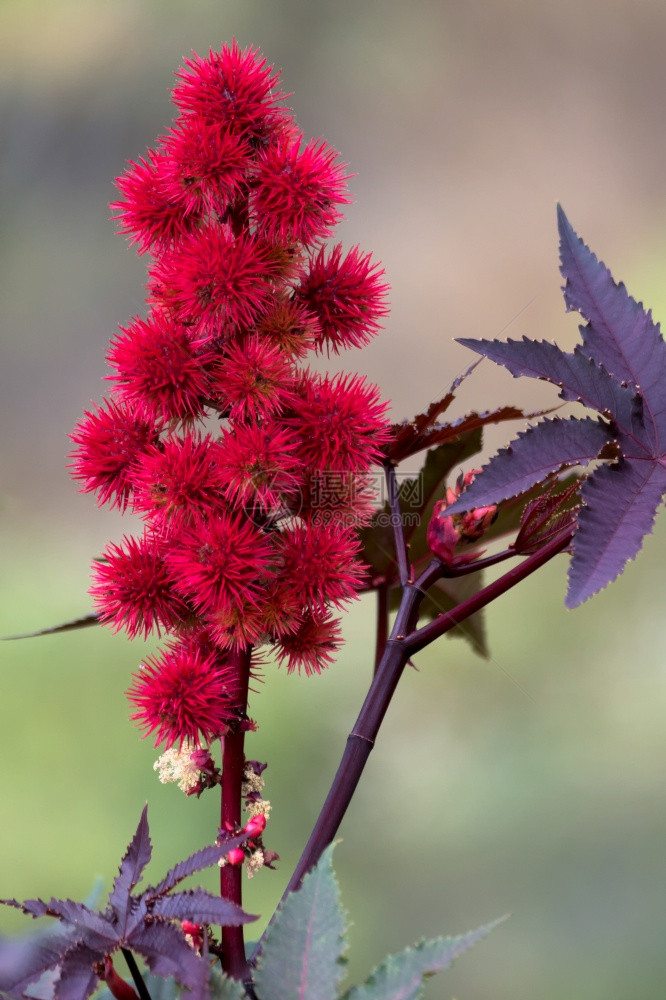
445	531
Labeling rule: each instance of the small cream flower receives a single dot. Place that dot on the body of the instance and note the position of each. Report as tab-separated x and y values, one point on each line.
254	862
176	765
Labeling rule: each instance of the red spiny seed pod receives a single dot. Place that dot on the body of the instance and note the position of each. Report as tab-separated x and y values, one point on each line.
183	693
297	190
134	589
216	433
347	296
157	365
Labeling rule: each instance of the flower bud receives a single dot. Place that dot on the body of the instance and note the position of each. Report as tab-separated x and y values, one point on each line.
255	825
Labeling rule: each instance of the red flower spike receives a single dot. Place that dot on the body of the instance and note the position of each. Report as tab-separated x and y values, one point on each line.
236	856
311	644
341	421
222	565
322	558
133	590
253	381
214	281
109	441
207	166
346	295
147	213
157	365
258	465
296	191
177	483
184	693
230	204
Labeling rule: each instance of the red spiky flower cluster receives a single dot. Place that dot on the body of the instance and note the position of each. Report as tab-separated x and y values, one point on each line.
242	543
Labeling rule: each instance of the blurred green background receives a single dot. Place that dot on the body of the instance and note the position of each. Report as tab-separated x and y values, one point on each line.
532	782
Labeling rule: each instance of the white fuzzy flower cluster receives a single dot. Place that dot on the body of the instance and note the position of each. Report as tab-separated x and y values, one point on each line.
252	782
177	766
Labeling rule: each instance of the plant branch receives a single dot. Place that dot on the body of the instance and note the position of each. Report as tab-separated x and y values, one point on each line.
139	982
402	644
464	569
396	521
362	737
445	622
234	961
382	622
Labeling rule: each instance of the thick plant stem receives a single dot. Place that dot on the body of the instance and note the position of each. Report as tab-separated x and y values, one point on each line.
362	737
403	642
234	962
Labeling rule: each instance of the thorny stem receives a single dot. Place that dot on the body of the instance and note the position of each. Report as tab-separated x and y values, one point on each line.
139	982
402	644
234	962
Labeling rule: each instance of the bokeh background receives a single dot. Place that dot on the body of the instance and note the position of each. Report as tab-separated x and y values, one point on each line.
532	782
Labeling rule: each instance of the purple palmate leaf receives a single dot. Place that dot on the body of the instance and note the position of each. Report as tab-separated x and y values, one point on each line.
620	371
138	922
532	456
196	862
578	377
619	507
621	335
76	977
196	905
136	858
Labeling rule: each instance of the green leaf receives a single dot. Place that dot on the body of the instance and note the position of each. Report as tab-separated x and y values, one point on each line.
447	594
400	977
302	958
224	988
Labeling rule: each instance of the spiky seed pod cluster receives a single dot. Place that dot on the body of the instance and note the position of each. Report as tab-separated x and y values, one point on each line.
214	431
